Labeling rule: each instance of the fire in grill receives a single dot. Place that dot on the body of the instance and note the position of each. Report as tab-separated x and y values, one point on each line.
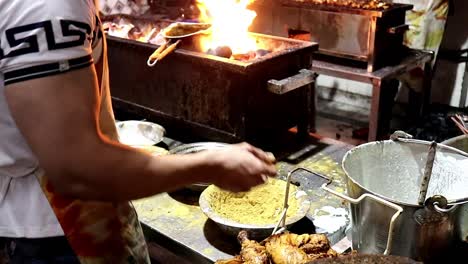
228	36
147	32
260	90
214	97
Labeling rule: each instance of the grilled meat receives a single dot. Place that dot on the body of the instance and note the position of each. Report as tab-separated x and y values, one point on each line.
252	252
283	253
235	260
315	246
292	248
284	248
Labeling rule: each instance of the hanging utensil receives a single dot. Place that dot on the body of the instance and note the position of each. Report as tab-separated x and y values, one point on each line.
162	52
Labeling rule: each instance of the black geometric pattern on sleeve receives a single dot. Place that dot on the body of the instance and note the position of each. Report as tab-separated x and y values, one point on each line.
69	28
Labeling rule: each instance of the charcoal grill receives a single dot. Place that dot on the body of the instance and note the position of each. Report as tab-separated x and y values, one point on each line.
372	38
215	98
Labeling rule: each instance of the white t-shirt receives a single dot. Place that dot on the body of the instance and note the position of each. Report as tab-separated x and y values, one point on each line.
38	38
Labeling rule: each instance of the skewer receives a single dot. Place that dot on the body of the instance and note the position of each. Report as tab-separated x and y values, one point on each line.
460	125
427	173
462	121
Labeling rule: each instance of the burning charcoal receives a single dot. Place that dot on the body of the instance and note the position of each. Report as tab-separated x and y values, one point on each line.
223	51
241	57
210	51
261	52
252	55
135	33
245	56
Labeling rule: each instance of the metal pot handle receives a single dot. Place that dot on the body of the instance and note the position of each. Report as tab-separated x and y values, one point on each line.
441	205
398	209
404	137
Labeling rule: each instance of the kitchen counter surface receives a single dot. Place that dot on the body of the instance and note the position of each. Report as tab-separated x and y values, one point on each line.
175	222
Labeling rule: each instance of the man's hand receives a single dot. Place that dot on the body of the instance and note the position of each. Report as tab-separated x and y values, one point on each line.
240	167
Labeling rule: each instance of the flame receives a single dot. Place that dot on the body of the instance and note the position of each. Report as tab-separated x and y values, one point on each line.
230	21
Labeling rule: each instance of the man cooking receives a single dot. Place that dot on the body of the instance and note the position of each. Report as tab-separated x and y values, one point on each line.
65	181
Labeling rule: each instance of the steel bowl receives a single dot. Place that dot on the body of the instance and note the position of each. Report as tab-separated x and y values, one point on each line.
139	133
194	148
256	232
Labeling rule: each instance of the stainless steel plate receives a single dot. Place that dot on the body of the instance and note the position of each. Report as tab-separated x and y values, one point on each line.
139	133
256	232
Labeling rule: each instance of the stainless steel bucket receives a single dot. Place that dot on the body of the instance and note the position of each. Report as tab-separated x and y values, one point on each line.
392	220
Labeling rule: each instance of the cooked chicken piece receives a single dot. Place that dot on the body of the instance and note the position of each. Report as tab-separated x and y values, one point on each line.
235	260
321	255
286	254
252	252
286	248
313	244
282	250
293	248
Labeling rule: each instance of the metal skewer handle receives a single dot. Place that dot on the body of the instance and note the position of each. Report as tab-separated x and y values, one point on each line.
281	225
282	221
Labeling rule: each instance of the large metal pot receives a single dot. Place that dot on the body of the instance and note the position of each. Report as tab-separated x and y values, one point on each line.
394	220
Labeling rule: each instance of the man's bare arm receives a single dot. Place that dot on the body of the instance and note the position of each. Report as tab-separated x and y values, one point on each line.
58	115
